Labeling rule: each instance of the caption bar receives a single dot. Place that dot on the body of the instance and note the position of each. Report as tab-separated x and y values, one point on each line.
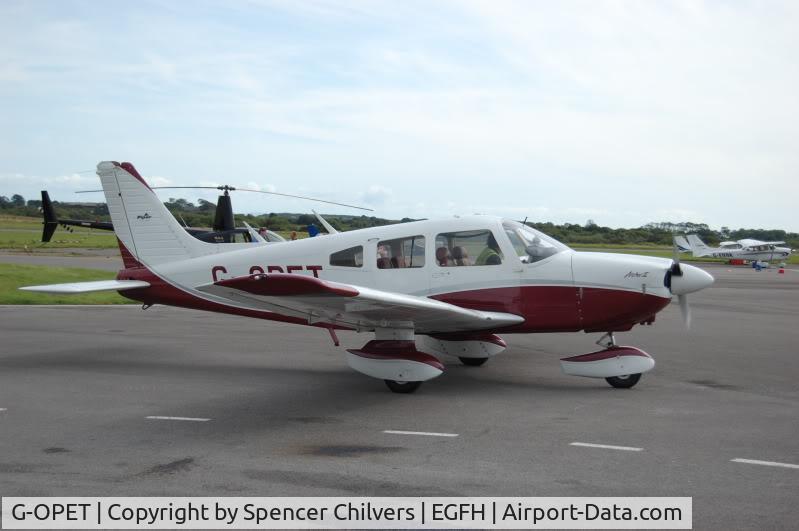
347	513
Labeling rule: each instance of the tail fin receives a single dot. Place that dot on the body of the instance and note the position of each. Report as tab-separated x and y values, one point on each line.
682	243
141	221
50	221
698	247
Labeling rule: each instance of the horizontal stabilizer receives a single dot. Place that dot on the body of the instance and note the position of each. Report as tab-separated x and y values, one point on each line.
71	288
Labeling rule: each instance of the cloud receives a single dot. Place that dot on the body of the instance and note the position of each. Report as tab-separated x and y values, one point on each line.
71	179
159	181
377	195
543	108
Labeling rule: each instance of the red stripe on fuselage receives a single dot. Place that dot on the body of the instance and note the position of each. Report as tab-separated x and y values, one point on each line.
544	308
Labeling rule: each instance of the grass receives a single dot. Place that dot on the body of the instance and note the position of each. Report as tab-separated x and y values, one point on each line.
30	240
26	233
22	233
13	276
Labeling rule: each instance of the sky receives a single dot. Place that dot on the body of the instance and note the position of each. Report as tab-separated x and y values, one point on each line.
619	112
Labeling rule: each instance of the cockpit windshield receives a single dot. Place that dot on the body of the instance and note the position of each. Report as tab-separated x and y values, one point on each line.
530	244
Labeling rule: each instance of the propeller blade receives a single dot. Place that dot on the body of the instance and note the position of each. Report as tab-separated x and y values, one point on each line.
685	309
676	270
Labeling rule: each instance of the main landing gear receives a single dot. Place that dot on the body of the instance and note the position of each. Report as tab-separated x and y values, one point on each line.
624	382
620	366
393	357
473	362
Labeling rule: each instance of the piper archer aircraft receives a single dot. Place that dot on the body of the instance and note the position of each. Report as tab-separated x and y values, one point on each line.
746	249
424	289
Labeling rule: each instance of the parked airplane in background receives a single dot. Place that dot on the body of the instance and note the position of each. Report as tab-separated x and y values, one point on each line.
746	249
424	289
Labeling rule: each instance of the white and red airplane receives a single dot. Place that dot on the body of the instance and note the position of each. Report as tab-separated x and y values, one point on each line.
424	289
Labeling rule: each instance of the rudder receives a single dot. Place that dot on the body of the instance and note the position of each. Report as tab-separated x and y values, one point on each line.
698	247
141	221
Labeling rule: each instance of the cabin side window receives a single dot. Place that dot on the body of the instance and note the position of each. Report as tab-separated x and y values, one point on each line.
401	253
469	248
352	257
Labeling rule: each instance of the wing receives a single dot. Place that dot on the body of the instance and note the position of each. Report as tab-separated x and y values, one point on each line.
353	306
88	287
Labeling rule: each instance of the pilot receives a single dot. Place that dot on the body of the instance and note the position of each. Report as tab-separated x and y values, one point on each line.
490	255
442	257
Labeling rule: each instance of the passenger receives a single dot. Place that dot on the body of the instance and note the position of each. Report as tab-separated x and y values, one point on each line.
490	255
460	256
442	257
383	261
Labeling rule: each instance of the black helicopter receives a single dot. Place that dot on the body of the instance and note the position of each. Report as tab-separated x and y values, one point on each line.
223	229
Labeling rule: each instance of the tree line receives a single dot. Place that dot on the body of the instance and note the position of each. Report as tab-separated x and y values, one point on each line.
201	214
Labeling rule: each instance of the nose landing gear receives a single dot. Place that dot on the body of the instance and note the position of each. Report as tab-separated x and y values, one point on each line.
620	366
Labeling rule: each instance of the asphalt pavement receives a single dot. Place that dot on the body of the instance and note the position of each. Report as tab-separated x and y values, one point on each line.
116	401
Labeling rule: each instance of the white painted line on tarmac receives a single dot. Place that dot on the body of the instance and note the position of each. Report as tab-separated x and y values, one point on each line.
189	419
607	446
427	433
3	409
763	463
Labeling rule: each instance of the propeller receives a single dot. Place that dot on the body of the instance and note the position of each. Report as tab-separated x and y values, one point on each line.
685	309
682	299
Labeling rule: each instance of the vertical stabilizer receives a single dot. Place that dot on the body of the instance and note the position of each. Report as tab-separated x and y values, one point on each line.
50	221
698	247
141	221
682	243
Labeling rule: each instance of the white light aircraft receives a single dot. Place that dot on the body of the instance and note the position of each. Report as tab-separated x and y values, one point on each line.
746	249
425	289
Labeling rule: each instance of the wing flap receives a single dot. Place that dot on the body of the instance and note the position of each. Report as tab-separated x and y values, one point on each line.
88	287
353	306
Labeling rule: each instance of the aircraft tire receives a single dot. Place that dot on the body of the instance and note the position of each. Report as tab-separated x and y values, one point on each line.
473	362
402	387
624	382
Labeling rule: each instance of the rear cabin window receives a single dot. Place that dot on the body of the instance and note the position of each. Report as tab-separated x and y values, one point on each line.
401	253
352	257
471	248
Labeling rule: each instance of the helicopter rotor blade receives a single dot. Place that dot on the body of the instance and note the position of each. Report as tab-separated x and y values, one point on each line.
305	197
226	188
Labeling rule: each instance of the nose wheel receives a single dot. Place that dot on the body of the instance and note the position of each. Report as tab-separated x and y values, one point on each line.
402	387
624	382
